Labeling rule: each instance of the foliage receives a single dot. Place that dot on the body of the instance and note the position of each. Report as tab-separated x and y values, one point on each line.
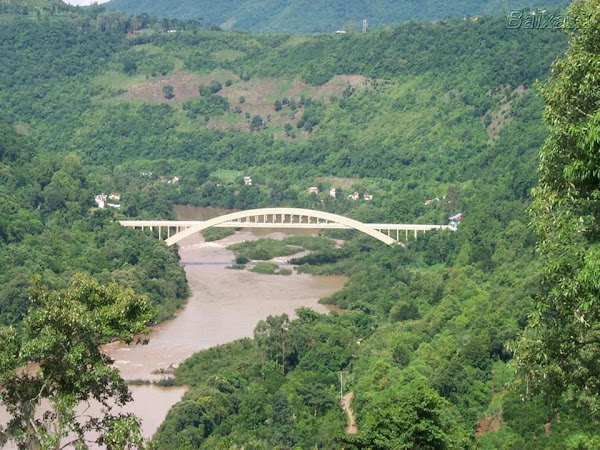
48	227
430	123
240	395
216	234
263	249
168	91
559	350
316	16
63	333
411	415
265	268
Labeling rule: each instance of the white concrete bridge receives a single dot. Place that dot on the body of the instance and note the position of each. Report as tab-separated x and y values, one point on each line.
294	218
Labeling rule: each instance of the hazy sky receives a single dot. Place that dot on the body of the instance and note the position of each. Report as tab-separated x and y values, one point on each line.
84	2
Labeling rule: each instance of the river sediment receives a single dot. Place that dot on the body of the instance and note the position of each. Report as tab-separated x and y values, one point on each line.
224	305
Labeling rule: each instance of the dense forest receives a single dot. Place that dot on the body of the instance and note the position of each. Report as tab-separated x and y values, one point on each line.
443	118
49	226
322	16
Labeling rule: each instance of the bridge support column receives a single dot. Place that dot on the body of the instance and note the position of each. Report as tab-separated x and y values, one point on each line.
415	235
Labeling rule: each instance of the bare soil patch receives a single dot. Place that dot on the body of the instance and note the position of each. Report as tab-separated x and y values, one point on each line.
259	96
351	428
488	425
185	86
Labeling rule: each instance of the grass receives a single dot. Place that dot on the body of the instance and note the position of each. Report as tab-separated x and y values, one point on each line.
228	55
216	234
263	249
265	268
118	80
314	243
227	176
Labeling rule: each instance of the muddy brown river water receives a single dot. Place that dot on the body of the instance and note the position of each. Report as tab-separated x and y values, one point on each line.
224	305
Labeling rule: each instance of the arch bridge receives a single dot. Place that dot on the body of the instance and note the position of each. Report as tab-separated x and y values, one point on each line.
293	218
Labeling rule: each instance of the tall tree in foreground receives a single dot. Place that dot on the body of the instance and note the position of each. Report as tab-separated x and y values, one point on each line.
66	369
559	352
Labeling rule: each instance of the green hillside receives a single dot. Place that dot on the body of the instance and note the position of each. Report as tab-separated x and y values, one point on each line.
432	119
309	16
26	6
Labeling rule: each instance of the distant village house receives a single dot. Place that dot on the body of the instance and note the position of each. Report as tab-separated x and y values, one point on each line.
100	200
247	181
455	220
313	190
333	192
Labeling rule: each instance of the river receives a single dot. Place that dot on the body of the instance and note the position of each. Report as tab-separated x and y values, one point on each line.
224	305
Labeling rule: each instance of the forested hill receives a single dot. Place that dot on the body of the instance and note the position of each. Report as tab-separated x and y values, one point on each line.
309	16
432	119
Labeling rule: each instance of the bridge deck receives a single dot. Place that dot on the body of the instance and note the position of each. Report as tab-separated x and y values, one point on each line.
306	225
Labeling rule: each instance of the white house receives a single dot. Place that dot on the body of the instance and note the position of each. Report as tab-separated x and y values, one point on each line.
333	192
354	196
247	181
114	196
368	197
100	200
313	190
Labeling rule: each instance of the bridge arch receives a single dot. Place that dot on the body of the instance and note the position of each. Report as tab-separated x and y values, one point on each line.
359	226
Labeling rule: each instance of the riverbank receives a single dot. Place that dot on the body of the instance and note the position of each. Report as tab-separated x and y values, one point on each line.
224	305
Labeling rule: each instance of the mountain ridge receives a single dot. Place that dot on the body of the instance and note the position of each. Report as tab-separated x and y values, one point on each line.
306	16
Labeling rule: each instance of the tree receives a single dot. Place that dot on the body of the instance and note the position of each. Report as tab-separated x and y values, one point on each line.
408	416
168	91
559	353
273	339
63	334
257	123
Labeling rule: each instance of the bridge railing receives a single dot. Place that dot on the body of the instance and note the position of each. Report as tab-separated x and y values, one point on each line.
171	227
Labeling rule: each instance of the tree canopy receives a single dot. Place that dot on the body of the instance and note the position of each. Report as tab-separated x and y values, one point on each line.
560	350
60	341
